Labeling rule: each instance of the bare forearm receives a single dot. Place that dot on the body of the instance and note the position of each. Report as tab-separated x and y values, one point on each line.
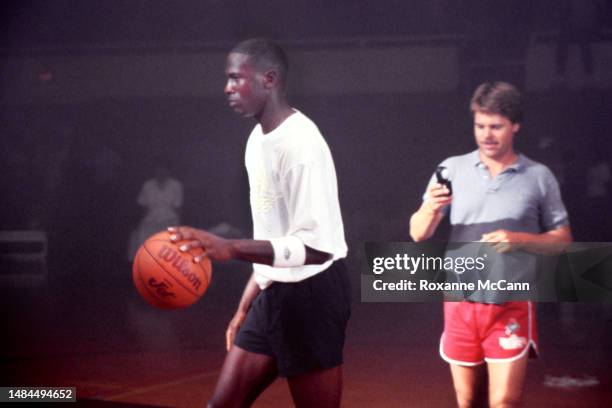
249	250
255	251
260	251
550	242
424	222
251	290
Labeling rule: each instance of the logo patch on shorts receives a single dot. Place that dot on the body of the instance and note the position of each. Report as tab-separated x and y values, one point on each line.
287	254
512	342
512	327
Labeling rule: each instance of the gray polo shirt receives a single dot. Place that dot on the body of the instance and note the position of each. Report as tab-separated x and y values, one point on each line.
525	197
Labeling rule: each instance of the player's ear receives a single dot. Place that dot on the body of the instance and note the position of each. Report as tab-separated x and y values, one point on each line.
516	127
271	79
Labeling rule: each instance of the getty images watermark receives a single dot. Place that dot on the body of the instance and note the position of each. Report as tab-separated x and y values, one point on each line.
421	272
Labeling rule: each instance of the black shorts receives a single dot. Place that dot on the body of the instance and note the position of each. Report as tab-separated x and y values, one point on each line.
301	324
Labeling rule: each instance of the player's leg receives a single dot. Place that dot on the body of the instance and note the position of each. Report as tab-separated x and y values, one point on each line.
243	377
320	388
512	335
311	336
468	382
506	382
461	347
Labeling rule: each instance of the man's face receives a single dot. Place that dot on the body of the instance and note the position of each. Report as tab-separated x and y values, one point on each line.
244	88
494	135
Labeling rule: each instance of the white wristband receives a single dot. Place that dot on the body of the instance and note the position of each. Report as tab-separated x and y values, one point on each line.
288	251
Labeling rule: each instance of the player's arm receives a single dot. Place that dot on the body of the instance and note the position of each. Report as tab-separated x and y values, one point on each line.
550	242
425	221
282	252
553	241
251	290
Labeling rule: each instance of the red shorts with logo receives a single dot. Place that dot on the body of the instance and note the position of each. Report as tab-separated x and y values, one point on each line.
479	332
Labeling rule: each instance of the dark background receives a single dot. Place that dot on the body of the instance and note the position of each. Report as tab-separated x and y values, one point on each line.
79	165
74	156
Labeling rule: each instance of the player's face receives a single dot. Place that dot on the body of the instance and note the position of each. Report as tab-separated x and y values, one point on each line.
494	135
244	87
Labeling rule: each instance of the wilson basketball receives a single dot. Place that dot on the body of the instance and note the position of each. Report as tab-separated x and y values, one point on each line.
166	277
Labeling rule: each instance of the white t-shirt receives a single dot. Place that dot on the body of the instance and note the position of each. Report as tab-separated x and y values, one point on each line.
293	191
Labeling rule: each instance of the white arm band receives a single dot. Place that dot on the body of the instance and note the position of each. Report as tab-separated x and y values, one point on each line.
288	251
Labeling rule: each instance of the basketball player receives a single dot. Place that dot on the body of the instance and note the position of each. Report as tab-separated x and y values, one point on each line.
503	198
292	317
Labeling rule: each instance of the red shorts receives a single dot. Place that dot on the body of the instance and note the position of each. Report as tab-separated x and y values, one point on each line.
479	332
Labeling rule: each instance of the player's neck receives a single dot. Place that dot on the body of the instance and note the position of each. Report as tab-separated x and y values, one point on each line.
275	113
498	164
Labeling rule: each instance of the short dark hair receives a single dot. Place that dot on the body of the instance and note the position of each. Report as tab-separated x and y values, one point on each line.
264	54
499	98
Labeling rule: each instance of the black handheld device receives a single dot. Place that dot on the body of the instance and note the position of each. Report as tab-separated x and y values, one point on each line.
442	178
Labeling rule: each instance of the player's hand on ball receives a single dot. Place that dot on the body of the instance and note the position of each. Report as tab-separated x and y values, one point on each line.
216	248
232	329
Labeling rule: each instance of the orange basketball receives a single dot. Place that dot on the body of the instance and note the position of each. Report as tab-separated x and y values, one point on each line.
166	277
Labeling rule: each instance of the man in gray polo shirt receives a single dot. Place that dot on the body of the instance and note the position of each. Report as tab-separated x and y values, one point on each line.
502	198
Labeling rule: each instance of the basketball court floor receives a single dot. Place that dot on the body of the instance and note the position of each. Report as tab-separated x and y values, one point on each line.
93	332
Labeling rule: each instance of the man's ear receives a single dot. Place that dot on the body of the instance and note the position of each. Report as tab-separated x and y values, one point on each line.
516	127
271	79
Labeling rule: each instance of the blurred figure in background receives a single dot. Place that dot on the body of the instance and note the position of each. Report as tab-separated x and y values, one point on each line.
162	197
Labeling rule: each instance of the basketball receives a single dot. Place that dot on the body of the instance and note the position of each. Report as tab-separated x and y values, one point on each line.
168	278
